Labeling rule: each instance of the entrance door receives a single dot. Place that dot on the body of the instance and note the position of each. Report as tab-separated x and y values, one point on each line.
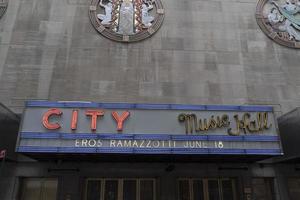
120	189
206	189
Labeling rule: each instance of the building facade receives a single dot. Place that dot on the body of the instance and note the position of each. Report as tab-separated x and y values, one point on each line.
204	53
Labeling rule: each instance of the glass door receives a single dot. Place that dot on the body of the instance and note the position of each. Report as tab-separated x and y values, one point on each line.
213	189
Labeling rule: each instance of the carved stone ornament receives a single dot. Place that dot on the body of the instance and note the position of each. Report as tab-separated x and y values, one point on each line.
126	20
3	7
280	20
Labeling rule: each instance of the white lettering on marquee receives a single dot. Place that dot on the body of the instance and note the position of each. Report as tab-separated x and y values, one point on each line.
147	144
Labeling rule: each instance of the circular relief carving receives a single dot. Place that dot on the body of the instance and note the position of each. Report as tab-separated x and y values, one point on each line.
3	7
126	20
280	20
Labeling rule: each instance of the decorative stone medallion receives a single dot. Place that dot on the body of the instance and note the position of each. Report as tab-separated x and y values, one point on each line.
3	7
126	20
280	20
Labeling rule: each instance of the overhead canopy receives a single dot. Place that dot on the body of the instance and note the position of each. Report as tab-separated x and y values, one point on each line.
67	130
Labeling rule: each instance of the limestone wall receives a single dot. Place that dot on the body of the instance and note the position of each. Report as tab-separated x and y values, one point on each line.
206	52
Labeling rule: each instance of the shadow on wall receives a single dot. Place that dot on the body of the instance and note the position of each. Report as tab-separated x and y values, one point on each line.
9	126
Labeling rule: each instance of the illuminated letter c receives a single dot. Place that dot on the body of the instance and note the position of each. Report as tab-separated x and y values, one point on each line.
47	115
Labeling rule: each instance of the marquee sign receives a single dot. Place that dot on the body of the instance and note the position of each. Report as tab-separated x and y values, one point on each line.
85	127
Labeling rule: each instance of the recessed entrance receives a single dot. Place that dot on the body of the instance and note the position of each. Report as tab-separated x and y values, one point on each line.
206	189
120	189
